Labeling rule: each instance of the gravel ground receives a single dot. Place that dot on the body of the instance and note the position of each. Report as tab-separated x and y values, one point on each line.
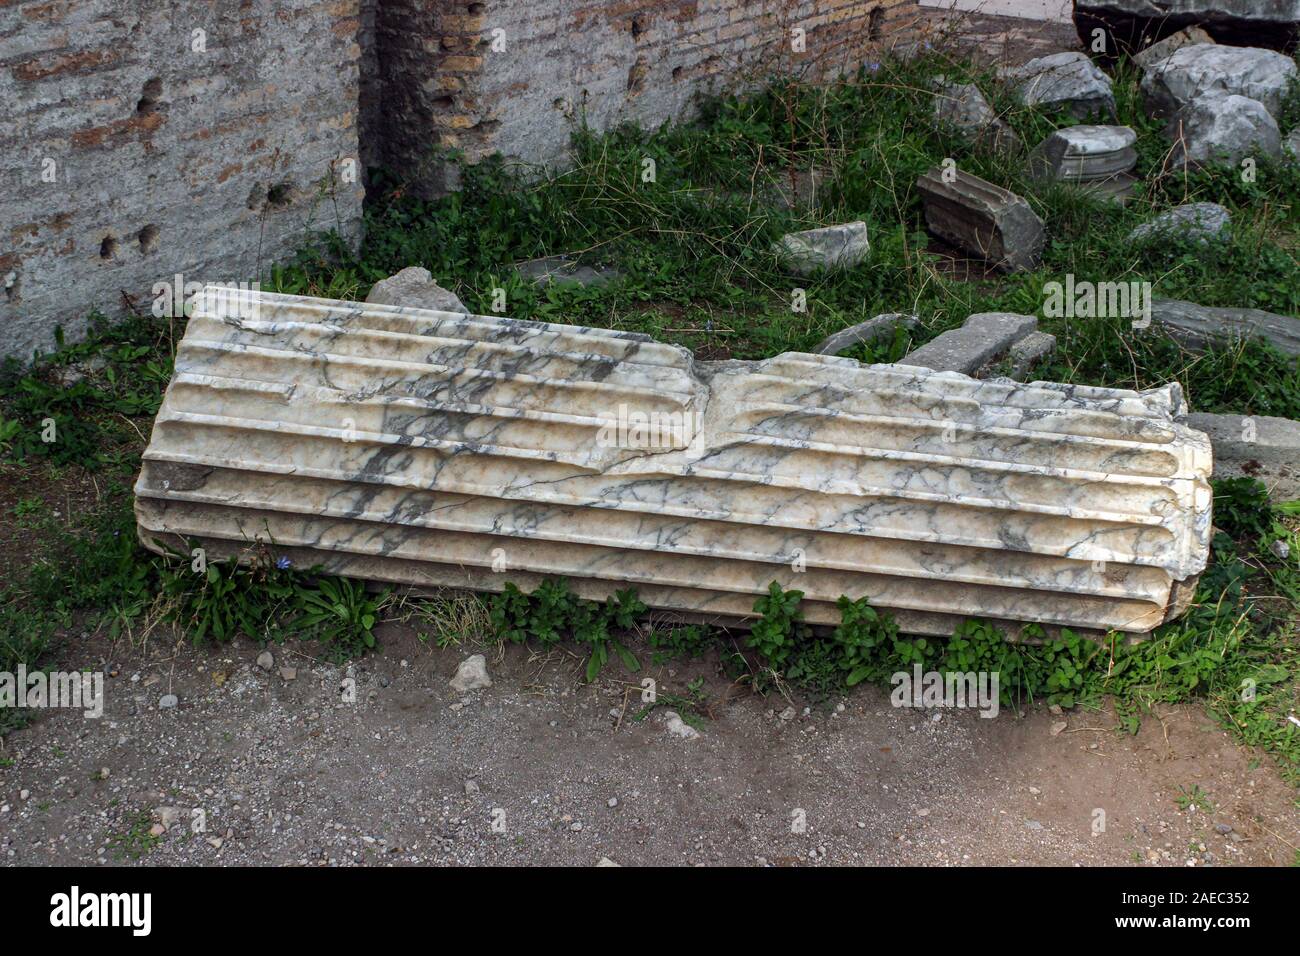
541	768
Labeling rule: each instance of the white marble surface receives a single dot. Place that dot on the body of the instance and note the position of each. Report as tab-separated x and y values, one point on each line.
432	448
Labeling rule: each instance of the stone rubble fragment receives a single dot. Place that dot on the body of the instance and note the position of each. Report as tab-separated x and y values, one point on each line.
1291	145
1197	222
1255	446
1222	128
1153	54
674	724
1192	72
982	219
1029	352
963	109
1069	81
414	287
565	270
1198	326
877	327
808	184
1099	159
441	450
982	338
829	247
471	674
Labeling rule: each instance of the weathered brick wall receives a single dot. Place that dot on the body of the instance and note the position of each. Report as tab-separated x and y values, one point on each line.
127	155
514	75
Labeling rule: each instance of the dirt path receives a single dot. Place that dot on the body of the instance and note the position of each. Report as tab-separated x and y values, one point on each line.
286	773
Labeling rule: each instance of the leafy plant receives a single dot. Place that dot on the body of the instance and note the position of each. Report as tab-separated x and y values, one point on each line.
552	613
780	626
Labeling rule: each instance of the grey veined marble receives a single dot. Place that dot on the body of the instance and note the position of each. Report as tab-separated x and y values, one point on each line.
434	448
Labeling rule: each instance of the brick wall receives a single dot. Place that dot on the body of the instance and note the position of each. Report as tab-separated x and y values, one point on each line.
515	75
127	154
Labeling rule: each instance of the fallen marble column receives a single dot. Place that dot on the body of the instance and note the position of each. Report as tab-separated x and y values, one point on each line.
439	449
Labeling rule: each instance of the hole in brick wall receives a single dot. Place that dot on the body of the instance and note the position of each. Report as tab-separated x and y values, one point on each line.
475	9
874	16
280	195
443	103
639	25
149	96
677	73
148	238
108	248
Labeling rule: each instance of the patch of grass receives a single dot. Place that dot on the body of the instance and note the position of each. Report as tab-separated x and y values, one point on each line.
448	620
79	404
552	613
693	246
263	597
135	839
1193	797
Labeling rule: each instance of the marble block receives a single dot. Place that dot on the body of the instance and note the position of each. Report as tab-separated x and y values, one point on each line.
981	219
436	449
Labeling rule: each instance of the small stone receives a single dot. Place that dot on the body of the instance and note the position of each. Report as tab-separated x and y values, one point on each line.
288	673
1198	222
981	338
1055	709
471	788
24	794
963	109
787	714
472	674
1035	791
674	724
157	830
265	660
414	288
829	247
1291	145
576	827
565	270
808	183
1029	352
1033	824
167	701
215	842
606	861
168	816
1175	41
1280	549
1069	81
1224	828
880	326
1058	727
612	802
